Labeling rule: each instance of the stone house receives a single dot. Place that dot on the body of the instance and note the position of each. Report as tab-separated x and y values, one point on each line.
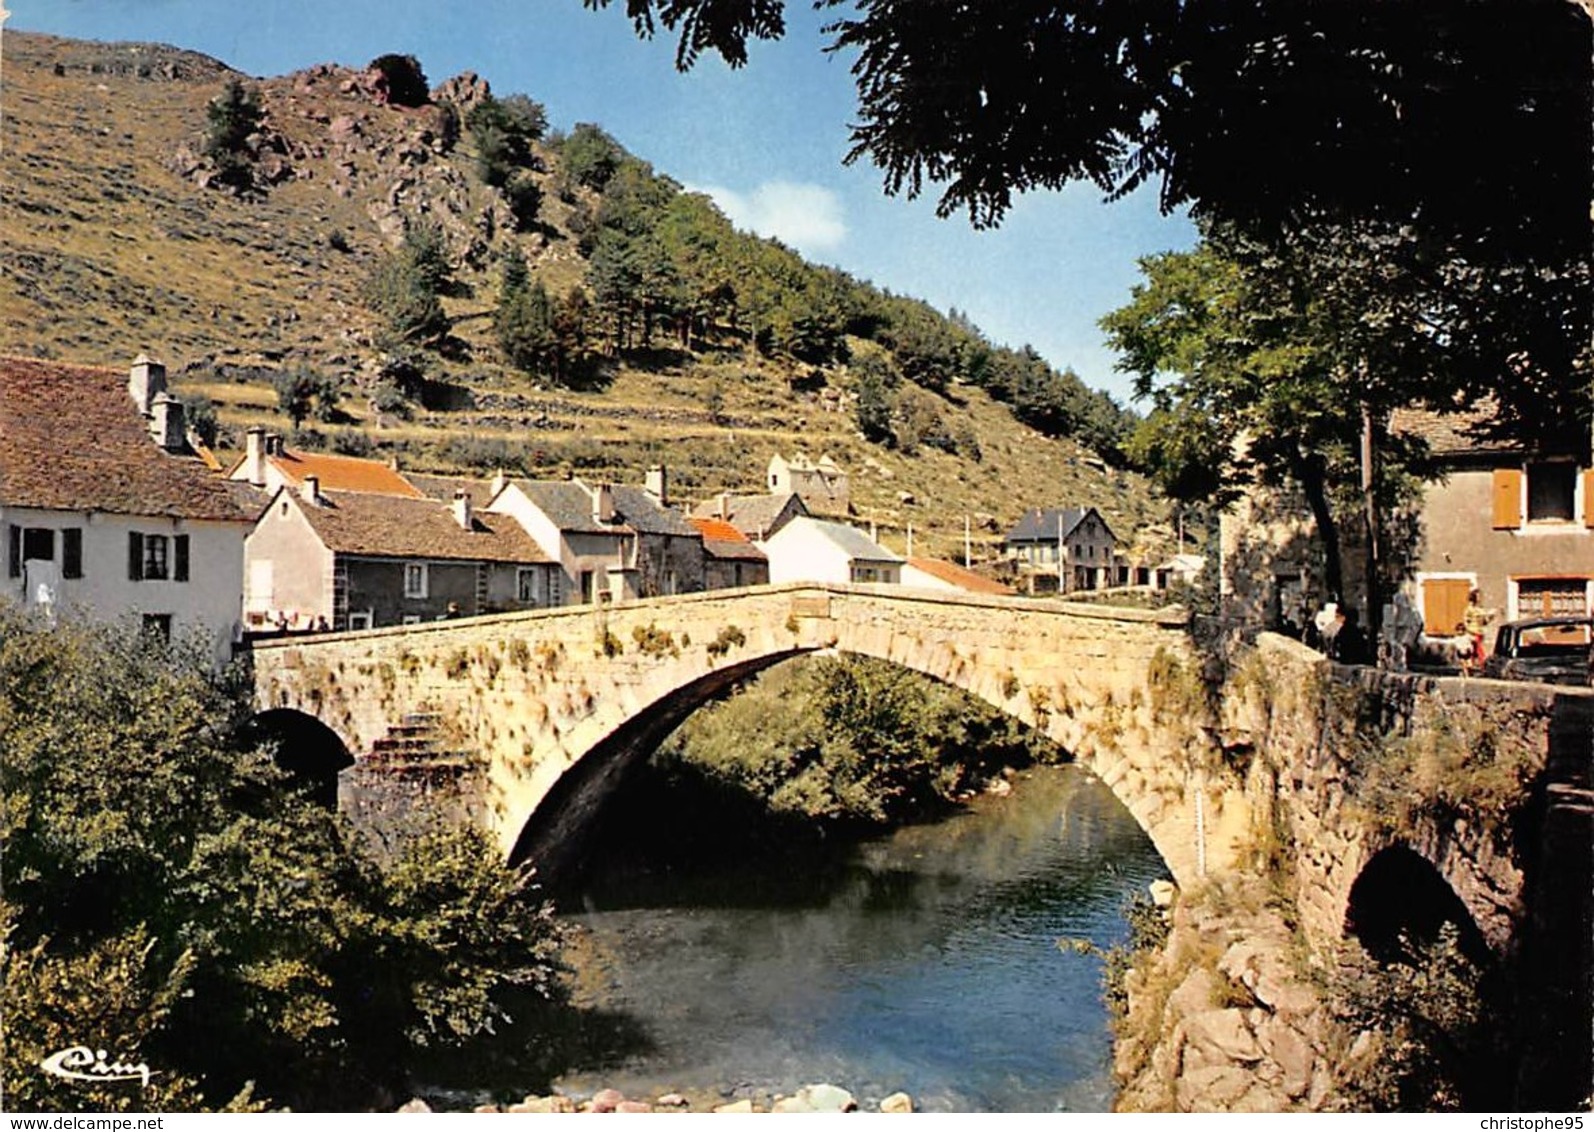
1515	521
106	509
360	560
756	516
823	487
937	574
816	550
730	560
612	542
1062	549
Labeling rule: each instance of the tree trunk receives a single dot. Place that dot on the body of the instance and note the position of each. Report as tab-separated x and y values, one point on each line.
1314	482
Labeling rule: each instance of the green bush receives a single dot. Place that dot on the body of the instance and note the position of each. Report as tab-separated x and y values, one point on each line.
174	898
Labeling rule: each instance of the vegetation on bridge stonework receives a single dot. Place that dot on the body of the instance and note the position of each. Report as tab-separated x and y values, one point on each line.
173	898
852	740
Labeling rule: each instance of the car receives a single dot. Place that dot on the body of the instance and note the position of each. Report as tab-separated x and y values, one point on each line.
1551	650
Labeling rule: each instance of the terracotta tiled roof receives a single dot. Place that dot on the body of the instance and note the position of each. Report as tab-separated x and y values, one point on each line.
721	540
1452	434
343	473
957	576
394	526
71	439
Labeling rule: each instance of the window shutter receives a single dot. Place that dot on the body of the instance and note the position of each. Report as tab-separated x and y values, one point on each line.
1444	605
135	556
180	572
1588	498
72	553
1507	498
14	551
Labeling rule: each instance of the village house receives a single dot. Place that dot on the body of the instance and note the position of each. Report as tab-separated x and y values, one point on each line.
823	487
817	550
1062	549
361	560
267	465
756	516
730	560
1511	520
107	511
937	574
613	542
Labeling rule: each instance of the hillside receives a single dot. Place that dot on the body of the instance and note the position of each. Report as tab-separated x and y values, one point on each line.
118	240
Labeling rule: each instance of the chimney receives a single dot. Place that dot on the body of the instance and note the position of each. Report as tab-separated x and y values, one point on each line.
310	490
657	485
255	456
462	509
145	379
725	506
500	481
603	503
167	423
273	444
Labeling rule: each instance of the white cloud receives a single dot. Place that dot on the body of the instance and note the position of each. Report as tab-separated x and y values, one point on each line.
805	216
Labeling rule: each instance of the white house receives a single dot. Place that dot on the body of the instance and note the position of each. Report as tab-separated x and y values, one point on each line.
815	550
105	508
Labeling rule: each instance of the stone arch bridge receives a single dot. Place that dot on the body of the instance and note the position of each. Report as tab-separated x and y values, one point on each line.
538	713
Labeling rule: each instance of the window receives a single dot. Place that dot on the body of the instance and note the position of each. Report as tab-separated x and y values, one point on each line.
180	565
156	548
38	544
360	620
410	619
1444	605
13	551
1552	597
72	552
1552	491
157	627
529	586
415	579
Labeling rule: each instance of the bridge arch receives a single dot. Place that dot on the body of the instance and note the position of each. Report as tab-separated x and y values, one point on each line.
1401	899
535	695
305	747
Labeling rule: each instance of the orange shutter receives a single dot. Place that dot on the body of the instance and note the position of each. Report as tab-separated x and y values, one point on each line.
1588	498
1507	498
1444	604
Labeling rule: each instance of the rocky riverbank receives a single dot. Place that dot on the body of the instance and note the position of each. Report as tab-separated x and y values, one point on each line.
809	1098
1220	1019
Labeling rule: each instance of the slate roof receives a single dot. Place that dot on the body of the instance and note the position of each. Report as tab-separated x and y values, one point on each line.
646	514
753	515
1041	526
444	487
568	507
71	439
955	575
854	543
395	526
721	540
1453	434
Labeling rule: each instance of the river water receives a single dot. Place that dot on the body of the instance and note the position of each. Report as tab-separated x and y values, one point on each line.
925	961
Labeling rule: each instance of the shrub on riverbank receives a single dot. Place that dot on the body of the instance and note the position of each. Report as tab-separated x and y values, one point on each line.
853	740
176	900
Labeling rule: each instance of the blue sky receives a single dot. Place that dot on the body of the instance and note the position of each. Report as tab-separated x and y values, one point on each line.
766	141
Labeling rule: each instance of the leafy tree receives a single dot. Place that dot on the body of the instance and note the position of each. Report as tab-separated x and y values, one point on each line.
199	414
523	320
406	287
852	740
875	379
228	928
232	116
589	157
403	79
504	130
301	389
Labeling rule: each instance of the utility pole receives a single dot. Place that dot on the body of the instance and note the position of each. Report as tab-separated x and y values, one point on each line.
1370	503
968	546
910	541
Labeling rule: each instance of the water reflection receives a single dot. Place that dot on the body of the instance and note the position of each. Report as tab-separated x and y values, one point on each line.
924	961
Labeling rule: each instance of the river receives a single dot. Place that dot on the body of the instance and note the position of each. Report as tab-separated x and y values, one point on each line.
925	960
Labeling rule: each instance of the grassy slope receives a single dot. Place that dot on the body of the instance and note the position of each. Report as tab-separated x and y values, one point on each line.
108	252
